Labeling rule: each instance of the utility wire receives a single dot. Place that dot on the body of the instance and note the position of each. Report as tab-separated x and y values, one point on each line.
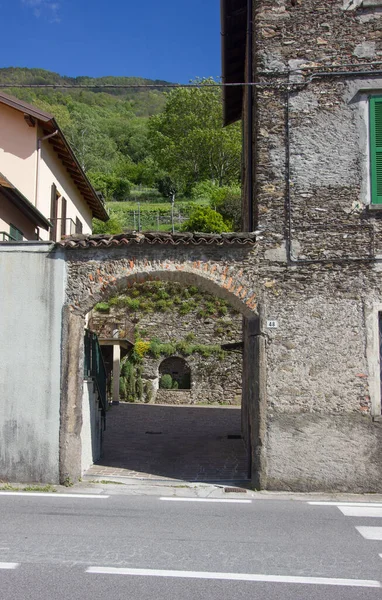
202	85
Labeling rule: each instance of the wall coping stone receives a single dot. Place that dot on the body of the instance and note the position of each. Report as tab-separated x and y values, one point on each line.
151	238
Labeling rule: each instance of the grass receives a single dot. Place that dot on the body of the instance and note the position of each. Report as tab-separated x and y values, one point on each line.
106	481
29	488
155	207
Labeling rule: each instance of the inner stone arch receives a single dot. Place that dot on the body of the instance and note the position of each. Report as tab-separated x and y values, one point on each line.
179	371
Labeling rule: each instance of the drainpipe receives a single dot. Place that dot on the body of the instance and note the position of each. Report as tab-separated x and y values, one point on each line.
39	145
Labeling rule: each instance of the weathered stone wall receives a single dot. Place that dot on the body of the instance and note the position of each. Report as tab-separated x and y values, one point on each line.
319	273
214	379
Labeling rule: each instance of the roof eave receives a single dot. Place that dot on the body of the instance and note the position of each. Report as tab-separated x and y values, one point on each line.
233	26
24	206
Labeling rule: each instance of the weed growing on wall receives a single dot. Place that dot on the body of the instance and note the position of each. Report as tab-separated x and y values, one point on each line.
160	296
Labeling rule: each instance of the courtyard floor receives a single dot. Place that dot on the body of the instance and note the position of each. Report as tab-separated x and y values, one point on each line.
172	442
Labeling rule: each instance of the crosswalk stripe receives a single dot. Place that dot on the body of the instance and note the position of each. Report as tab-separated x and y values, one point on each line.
361	511
365	504
370	533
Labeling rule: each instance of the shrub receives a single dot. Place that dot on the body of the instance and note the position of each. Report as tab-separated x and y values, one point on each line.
165	382
122	388
205	220
102	307
175	385
139	387
148	389
141	348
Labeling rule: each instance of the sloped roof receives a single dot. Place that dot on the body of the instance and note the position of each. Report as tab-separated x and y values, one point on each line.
23	204
233	25
64	152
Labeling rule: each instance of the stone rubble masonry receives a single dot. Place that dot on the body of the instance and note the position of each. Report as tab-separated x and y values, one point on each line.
226	272
319	386
214	380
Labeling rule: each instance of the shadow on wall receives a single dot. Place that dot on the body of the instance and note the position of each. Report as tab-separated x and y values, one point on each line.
175	374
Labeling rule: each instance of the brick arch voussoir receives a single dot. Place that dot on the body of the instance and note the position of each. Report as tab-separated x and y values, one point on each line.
227	282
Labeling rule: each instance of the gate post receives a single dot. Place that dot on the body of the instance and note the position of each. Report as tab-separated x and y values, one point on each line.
72	377
254	400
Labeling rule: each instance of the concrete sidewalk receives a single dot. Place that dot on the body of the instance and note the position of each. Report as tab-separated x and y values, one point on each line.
185	443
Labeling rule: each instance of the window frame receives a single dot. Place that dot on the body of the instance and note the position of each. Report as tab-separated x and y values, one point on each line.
16	233
375	198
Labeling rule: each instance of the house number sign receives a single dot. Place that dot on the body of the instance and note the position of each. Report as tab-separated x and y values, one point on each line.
272	324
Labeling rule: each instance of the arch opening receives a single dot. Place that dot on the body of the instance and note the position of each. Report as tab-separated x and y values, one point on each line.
241	429
174	374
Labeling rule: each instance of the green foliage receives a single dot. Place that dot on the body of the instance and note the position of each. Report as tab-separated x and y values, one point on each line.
188	141
230	207
167	186
122	388
110	185
205	220
139	389
141	348
163	296
165	382
175	385
112	227
148	391
102	307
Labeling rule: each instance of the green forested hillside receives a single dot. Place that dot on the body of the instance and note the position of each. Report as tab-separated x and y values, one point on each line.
107	129
145	144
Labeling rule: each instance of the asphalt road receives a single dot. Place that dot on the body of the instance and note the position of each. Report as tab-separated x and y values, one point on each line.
143	547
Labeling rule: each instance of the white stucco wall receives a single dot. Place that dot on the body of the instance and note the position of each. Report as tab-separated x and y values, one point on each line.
51	170
18	151
10	214
18	163
91	427
32	280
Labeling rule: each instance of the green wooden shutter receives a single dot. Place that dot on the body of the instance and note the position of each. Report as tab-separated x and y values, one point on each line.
376	149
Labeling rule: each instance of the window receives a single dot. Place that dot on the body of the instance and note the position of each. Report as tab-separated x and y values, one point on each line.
376	149
53	213
78	225
15	233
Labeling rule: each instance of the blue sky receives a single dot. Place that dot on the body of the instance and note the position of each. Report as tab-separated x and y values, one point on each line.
159	39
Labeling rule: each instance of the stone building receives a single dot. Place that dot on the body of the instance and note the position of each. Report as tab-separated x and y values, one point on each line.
312	122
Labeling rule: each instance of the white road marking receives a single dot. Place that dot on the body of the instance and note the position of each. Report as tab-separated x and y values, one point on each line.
4	565
366	504
370	533
361	511
50	495
227	501
236	577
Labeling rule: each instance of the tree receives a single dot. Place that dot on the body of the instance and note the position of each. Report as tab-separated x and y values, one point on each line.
205	220
111	186
167	187
188	140
112	227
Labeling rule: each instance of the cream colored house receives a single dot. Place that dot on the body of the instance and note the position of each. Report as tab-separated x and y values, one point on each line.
44	193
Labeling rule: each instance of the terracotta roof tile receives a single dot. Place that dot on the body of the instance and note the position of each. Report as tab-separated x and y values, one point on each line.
151	238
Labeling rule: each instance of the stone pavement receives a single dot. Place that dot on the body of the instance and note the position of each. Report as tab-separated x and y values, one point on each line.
172	442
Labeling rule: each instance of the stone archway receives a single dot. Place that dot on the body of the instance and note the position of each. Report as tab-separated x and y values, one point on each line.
179	371
100	267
